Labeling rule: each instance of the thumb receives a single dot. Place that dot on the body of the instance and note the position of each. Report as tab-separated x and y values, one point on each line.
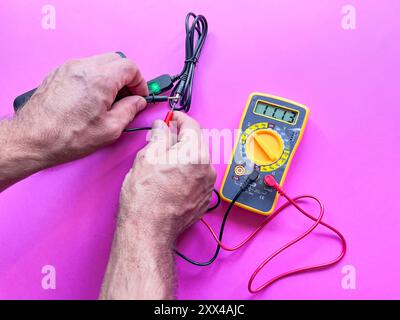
126	109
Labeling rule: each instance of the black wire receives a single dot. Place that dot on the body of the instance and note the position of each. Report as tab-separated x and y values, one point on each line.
216	205
136	129
252	177
193	47
221	232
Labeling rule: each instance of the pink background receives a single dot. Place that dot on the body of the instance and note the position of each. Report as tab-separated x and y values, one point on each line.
295	49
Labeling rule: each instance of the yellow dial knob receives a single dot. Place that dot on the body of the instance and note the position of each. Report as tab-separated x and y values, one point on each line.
264	146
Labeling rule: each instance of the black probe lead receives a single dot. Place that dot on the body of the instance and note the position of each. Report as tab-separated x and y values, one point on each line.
249	180
221	233
136	129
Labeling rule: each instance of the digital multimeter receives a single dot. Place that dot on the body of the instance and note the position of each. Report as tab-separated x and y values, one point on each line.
271	129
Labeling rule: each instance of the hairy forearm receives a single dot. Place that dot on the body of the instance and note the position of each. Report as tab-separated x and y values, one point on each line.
21	152
141	265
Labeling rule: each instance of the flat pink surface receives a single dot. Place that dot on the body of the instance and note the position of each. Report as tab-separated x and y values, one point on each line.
349	155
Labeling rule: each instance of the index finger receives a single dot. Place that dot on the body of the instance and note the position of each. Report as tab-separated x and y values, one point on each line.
186	126
191	145
126	73
104	57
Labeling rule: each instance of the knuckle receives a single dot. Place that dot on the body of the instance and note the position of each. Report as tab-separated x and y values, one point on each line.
75	70
71	64
114	129
213	174
129	112
128	66
141	154
204	157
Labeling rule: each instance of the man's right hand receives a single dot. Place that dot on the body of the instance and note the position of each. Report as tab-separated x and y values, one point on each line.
171	183
167	190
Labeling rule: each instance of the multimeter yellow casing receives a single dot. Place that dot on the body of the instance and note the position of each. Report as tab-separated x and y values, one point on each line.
270	131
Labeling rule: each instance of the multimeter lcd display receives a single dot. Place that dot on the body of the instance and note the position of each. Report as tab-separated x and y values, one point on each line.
275	112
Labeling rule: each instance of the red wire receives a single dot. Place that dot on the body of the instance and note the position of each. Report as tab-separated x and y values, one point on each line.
317	221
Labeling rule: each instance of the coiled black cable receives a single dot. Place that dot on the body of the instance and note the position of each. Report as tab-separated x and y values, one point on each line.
196	33
193	46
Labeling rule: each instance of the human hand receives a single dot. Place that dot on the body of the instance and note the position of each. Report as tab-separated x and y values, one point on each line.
170	185
166	191
72	113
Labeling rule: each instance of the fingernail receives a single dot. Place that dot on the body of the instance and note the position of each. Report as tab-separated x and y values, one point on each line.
158	124
141	103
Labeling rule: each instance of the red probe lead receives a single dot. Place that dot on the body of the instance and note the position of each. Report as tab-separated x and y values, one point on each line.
270	181
169	116
170	113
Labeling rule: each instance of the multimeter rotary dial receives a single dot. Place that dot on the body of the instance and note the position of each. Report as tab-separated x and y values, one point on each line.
264	146
271	129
